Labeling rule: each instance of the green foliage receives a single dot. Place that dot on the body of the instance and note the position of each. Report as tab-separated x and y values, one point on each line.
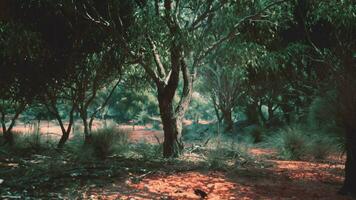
290	142
109	141
105	142
147	151
323	113
253	134
302	143
223	153
195	131
31	142
321	146
132	104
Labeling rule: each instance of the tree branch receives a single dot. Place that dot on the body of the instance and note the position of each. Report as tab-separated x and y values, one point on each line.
156	56
205	14
187	91
233	32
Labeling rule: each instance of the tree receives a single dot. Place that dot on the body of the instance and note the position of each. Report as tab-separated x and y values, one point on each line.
96	73
20	55
171	38
329	29
224	80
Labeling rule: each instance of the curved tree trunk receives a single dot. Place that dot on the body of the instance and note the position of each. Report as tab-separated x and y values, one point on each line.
63	140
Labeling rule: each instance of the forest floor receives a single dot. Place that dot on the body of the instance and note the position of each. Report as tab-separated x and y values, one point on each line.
55	176
269	179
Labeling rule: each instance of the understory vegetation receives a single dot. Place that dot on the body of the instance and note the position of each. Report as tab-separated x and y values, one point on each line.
93	91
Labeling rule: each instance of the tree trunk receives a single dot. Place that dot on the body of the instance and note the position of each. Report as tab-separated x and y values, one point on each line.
65	132
349	186
63	140
9	138
38	126
7	132
172	127
87	132
228	120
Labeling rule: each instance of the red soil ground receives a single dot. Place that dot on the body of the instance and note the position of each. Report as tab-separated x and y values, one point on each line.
280	180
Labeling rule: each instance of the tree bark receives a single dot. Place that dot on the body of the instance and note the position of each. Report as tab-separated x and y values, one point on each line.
349	186
172	146
228	120
87	129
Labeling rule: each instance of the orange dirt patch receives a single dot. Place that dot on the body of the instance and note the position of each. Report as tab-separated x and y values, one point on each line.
255	184
179	186
136	133
302	170
261	152
182	186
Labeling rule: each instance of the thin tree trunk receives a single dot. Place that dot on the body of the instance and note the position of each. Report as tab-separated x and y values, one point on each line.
38	126
63	140
7	132
87	132
65	132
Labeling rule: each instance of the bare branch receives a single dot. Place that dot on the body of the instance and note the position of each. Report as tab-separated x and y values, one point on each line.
156	56
106	101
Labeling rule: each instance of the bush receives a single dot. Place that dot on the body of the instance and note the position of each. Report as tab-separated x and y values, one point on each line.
297	143
108	141
105	142
32	142
147	151
253	132
322	146
224	152
291	143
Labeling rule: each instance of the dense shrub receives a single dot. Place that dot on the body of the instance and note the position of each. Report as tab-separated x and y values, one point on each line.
109	141
105	142
298	143
291	142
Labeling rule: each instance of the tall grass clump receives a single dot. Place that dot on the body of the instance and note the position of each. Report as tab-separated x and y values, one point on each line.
105	142
291	143
33	141
301	143
322	145
224	152
147	151
109	141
